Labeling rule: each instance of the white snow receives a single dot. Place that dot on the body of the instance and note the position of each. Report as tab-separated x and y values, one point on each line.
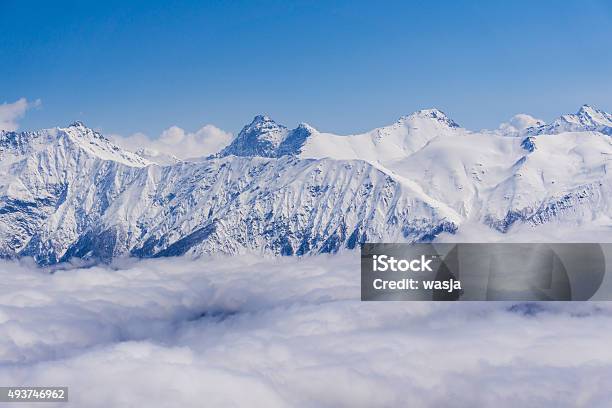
587	118
71	192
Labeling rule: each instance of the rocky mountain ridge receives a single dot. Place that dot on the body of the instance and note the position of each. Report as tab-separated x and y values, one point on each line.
71	193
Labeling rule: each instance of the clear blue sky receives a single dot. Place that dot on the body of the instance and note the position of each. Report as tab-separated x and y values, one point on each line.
346	66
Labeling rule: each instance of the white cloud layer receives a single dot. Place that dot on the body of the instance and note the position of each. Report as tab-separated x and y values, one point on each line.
177	142
246	331
10	113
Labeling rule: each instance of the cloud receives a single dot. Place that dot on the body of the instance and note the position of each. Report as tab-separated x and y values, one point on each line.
170	332
519	123
10	113
177	142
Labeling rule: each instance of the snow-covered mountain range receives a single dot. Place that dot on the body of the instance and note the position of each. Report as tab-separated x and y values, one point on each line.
70	192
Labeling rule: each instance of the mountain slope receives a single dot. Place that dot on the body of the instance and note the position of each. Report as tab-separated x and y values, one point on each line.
69	192
586	119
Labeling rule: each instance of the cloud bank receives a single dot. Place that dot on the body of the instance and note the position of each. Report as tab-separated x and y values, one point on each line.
177	142
246	331
10	113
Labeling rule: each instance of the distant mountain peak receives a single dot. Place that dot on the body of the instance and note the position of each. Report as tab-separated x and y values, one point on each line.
79	129
261	118
586	119
264	121
586	108
263	124
259	138
295	140
306	126
592	115
431	113
77	124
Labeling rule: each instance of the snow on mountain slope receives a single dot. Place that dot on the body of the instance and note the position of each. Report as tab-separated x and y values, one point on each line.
69	192
40	175
587	118
460	169
265	138
405	136
566	175
13	145
283	206
157	157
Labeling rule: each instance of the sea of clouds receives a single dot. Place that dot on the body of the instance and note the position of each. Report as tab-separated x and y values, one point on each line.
250	331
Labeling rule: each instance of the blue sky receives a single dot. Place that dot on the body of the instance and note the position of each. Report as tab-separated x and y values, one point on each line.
345	66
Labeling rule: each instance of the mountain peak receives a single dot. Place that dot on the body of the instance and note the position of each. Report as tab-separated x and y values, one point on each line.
586	108
79	129
307	127
431	113
587	119
591	114
77	124
259	138
263	123
295	140
261	118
